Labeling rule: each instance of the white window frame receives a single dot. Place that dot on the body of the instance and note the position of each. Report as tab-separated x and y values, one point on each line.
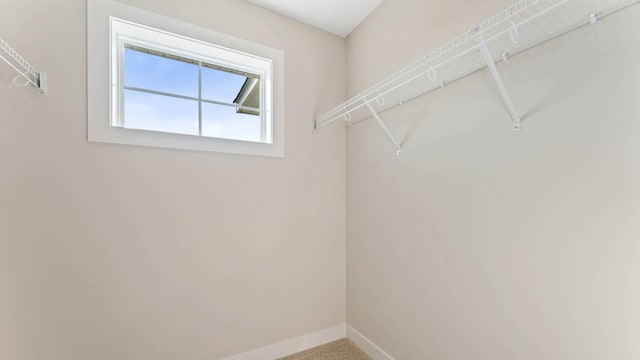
111	24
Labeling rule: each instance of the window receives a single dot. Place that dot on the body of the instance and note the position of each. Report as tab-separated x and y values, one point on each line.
177	85
176	91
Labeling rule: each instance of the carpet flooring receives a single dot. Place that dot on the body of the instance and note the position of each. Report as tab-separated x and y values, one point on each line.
337	350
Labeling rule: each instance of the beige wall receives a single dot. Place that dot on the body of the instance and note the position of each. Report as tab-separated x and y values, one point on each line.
478	243
118	252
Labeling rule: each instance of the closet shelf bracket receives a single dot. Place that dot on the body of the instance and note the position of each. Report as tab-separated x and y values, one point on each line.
27	74
523	25
486	54
382	125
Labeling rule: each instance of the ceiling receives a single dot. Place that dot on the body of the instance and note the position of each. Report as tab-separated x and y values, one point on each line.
335	16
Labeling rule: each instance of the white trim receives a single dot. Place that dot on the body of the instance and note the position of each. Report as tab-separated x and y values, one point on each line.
128	33
292	346
99	83
366	345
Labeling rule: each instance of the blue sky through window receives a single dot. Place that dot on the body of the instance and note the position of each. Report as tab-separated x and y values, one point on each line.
169	114
220	86
160	113
160	74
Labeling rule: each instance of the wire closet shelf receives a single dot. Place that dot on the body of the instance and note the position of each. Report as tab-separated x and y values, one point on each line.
517	28
27	73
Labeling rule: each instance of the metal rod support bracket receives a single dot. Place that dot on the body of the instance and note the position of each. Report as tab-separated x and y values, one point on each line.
25	70
383	126
517	122
42	84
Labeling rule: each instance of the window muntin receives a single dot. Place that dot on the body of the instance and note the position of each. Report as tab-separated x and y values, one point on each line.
231	91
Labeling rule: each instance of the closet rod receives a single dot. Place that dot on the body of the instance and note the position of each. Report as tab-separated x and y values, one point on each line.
507	21
592	19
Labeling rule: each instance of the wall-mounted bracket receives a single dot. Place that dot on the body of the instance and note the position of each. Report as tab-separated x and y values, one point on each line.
27	74
517	122
383	126
42	83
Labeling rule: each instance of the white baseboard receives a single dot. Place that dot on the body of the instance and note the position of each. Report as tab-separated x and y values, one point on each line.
292	346
373	350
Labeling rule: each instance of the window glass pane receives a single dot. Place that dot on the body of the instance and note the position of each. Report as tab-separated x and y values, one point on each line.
224	122
158	73
223	86
160	113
